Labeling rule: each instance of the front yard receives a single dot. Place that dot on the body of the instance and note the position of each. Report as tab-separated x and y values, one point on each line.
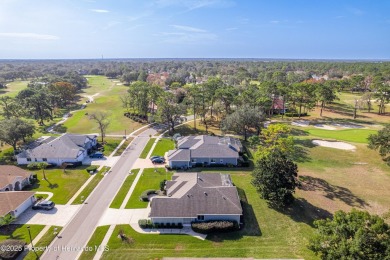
163	146
19	232
62	185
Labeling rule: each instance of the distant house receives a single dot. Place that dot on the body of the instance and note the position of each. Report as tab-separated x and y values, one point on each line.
195	197
204	150
278	105
68	148
13	178
15	202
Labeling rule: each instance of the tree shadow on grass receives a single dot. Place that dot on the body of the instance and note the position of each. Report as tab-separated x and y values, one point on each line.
9	230
250	226
309	183
303	211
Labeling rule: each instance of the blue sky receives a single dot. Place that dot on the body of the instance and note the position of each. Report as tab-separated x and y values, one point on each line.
309	29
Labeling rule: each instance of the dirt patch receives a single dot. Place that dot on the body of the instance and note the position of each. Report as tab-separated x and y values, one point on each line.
336	145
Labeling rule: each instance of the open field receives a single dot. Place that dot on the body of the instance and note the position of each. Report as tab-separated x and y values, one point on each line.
13	88
43	242
108	100
62	185
150	179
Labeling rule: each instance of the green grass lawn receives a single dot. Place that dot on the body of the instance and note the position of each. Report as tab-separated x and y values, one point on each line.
150	179
163	146
91	186
20	232
109	101
266	234
111	144
147	148
13	88
94	243
62	185
43	242
120	196
349	135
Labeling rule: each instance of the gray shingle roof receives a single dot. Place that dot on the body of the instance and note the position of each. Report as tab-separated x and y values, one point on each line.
198	194
179	155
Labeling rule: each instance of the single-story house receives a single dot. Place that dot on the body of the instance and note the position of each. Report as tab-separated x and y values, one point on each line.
193	197
13	178
204	150
68	148
15	202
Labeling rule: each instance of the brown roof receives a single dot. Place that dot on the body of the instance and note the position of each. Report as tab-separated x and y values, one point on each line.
10	200
9	172
193	194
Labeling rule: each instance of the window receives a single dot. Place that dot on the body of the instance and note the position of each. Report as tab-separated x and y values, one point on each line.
213	160
200	217
29	159
44	159
221	160
36	159
193	160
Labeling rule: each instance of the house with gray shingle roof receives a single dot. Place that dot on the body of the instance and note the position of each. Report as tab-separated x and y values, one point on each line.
68	148
195	197
204	150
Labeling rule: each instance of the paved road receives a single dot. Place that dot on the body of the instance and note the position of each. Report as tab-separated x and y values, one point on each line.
77	233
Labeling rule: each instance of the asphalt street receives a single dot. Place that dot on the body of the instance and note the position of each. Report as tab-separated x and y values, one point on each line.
77	232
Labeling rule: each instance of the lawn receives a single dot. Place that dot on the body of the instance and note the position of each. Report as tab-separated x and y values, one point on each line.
62	185
266	234
110	144
120	196
19	232
13	88
94	243
43	243
349	135
147	148
91	186
188	128
150	179
109	101
163	146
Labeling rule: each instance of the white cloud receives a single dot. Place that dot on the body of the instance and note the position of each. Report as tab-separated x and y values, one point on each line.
35	36
188	28
99	10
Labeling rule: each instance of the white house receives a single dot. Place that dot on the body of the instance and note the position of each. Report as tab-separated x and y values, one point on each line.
15	202
195	197
68	148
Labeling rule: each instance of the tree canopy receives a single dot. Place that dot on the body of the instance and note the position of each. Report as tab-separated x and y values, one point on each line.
381	142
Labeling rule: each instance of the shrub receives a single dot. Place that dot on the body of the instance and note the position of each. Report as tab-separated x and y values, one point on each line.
91	168
295	114
145	223
145	195
214	226
15	247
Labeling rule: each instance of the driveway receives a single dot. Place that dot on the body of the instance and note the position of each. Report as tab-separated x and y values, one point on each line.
146	163
59	216
123	216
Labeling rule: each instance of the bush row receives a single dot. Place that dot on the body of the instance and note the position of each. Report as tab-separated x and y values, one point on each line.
145	195
36	166
214	226
92	168
147	223
294	114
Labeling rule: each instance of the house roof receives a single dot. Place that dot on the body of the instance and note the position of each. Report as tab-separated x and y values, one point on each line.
8	173
11	200
192	194
203	146
65	146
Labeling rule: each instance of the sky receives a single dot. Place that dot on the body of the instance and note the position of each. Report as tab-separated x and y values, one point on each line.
280	29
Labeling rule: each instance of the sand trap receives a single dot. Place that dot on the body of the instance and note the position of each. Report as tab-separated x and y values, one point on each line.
326	127
336	145
347	125
303	123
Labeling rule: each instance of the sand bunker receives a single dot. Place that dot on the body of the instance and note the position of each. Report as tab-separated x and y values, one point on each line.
336	145
303	123
326	127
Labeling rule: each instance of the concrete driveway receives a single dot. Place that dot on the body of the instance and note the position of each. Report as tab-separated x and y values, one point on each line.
123	216
59	216
146	163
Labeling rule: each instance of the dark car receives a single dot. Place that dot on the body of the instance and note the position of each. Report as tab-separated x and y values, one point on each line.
156	157
158	160
46	205
97	155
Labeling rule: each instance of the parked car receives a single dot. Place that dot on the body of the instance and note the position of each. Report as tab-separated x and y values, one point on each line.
156	157
158	160
46	205
97	155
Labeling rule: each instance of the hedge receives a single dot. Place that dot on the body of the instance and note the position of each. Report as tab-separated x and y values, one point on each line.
145	195
12	248
215	226
92	168
147	223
